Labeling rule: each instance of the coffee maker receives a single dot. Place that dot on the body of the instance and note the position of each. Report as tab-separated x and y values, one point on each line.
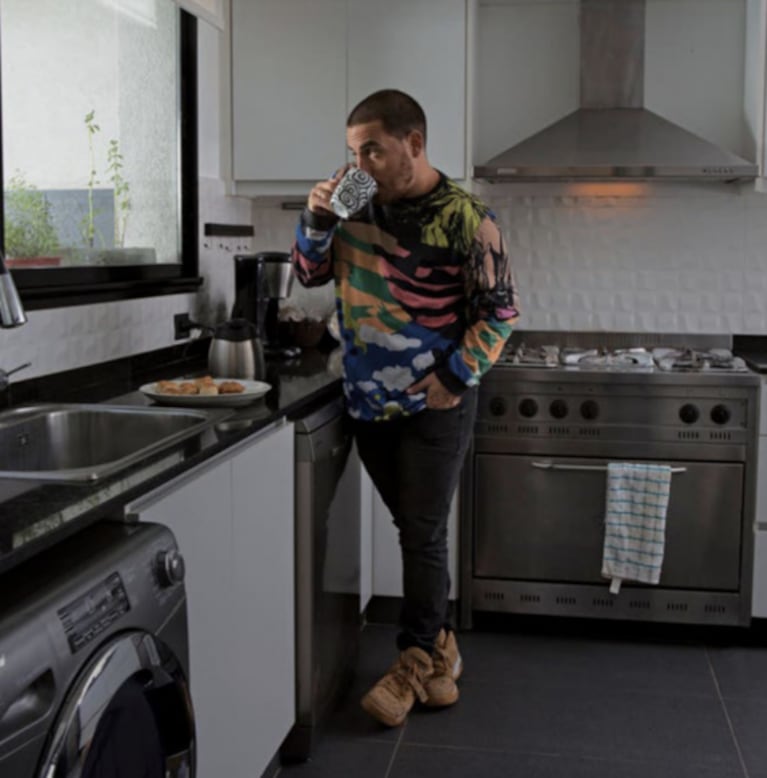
260	282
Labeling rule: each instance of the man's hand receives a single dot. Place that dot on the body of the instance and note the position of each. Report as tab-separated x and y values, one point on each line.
437	397
319	197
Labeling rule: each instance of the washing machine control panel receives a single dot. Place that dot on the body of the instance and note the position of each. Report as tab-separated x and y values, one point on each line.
89	615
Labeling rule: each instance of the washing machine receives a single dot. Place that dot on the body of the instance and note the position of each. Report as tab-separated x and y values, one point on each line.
94	659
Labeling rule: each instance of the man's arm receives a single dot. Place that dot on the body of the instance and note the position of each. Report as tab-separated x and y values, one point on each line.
493	310
311	254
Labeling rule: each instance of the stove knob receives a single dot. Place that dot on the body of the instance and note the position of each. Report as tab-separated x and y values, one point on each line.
720	414
497	406
558	409
589	410
689	413
171	568
528	408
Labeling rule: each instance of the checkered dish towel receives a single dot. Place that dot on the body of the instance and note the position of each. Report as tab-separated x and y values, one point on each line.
635	522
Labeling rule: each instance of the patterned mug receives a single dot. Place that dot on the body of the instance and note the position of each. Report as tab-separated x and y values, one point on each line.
354	191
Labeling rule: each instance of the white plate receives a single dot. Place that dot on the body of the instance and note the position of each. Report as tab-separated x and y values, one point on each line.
253	390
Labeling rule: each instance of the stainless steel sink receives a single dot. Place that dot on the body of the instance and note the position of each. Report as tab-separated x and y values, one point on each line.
75	442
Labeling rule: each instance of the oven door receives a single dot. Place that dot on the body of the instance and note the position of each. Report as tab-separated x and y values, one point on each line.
536	522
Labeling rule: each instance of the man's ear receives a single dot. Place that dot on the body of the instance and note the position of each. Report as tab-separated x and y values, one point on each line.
416	142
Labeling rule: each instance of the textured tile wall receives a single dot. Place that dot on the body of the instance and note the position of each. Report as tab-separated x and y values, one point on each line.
658	263
672	261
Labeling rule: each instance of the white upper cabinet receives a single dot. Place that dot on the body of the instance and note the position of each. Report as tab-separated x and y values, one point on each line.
418	46
288	89
299	67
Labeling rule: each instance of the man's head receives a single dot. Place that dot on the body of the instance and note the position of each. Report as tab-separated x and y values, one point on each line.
386	133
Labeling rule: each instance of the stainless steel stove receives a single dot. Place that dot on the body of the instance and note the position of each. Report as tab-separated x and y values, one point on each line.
553	412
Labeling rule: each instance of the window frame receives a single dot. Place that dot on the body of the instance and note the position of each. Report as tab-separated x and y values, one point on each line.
61	287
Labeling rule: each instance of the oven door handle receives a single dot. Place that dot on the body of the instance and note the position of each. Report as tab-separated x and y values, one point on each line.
603	468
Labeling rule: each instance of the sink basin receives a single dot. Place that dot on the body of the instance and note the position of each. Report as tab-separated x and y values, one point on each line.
75	442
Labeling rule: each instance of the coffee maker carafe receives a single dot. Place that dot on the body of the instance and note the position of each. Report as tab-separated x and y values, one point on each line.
260	282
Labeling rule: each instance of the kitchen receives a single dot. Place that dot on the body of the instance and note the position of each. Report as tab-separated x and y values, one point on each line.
651	258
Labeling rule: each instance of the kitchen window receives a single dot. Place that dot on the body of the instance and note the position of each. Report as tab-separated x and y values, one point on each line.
99	149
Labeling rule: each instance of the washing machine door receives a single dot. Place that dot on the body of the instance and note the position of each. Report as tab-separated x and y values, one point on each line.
128	713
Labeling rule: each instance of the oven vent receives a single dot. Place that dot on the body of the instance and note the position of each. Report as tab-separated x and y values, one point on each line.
559	430
497	427
495	596
676	606
720	436
529	598
712	608
600	602
639	604
689	435
590	432
527	429
566	600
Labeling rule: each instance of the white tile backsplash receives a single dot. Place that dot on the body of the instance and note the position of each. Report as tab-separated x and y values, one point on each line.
671	261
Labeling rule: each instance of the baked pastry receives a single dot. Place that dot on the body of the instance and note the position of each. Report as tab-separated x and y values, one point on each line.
230	387
167	387
189	387
208	389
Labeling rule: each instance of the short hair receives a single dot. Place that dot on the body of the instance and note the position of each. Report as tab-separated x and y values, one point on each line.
398	112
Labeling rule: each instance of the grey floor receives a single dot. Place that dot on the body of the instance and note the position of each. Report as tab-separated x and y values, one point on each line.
574	701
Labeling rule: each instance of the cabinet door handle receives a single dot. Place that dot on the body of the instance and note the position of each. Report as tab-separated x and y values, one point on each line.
602	468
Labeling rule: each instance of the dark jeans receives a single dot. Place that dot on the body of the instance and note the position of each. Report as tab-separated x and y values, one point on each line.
415	463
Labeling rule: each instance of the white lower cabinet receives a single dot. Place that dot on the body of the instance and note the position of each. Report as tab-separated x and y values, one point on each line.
233	520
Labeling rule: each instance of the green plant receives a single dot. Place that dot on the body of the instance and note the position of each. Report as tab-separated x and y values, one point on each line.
121	191
89	224
120	187
29	231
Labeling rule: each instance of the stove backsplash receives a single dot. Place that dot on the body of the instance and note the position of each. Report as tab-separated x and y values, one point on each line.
690	264
675	260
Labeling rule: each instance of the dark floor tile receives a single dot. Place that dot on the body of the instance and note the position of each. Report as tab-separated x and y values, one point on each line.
740	671
599	663
425	762
749	721
339	757
675	729
377	652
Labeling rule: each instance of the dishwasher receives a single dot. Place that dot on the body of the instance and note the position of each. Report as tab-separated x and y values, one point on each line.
327	537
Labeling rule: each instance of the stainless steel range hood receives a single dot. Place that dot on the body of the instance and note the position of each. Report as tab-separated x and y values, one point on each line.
612	136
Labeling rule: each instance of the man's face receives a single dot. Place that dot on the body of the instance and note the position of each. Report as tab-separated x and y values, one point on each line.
388	159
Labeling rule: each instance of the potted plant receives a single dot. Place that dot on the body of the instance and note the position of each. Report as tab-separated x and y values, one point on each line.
30	237
117	253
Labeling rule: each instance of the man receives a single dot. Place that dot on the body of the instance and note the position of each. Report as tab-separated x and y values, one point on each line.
425	302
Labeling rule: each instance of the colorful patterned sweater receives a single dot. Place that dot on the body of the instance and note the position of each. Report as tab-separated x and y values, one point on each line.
423	284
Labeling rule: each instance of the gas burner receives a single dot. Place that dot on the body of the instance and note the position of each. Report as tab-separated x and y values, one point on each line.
527	356
690	360
631	359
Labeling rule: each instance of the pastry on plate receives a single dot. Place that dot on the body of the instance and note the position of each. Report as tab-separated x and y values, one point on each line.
230	387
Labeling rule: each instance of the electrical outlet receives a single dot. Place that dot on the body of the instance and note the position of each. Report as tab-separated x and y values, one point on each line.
182	326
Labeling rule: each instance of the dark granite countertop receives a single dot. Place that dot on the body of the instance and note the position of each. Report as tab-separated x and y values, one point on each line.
753	349
34	515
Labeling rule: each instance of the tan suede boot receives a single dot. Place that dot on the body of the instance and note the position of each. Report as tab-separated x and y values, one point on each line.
391	699
448	666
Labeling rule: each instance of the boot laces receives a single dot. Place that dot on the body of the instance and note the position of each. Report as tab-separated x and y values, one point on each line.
441	661
404	675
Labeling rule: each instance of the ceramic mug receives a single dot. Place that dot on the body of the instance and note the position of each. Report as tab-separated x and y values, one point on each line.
354	191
